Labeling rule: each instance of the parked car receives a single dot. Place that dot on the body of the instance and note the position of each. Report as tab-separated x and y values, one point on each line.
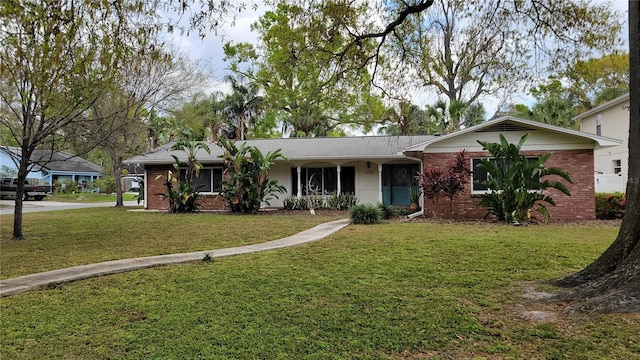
9	186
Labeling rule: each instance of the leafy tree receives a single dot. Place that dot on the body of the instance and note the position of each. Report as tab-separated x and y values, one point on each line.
246	183
469	50
56	59
304	88
516	183
581	87
595	81
145	81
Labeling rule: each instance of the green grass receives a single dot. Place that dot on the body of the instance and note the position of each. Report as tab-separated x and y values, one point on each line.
88	197
389	291
76	237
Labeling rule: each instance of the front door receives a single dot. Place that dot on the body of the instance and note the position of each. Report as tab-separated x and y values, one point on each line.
397	179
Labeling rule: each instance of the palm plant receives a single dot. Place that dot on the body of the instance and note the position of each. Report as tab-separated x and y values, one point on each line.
516	183
409	120
185	197
246	183
243	104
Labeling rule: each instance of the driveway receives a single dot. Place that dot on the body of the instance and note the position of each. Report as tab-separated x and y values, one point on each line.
7	206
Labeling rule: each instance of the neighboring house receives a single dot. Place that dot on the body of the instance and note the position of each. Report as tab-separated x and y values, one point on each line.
51	166
611	164
383	169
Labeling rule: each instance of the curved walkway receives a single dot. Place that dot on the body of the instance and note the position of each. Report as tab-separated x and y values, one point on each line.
25	283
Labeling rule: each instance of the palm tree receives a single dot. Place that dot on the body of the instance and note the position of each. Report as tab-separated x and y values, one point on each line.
243	104
454	116
409	119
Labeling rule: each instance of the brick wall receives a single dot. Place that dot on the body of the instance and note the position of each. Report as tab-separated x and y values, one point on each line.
159	202
579	206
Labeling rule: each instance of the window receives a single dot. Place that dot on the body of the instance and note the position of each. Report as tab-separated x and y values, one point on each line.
323	180
599	125
480	174
617	166
209	180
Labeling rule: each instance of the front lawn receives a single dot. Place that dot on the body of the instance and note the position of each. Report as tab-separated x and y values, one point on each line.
389	291
89	197
60	239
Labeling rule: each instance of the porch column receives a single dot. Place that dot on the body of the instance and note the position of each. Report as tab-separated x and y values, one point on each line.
380	183
299	169
339	170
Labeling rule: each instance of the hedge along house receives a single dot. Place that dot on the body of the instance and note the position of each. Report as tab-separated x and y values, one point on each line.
383	169
373	168
573	151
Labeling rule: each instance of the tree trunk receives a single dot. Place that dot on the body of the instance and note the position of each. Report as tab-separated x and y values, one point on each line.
612	282
23	171
117	175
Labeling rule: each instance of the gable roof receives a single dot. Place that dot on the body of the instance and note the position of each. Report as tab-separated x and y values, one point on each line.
604	106
510	123
302	149
56	161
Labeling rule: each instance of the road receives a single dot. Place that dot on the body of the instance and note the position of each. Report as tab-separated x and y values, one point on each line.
7	206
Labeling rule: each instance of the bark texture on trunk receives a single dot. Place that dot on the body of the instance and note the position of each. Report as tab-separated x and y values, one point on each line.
612	282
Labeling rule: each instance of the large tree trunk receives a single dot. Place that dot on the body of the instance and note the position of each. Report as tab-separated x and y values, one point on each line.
612	282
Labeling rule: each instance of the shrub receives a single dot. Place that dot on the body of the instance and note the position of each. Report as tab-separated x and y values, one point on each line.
610	206
106	185
293	203
68	186
387	211
315	202
365	214
341	202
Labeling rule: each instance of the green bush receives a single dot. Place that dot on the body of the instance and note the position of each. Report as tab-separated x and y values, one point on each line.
610	206
106	185
68	186
387	211
365	214
293	203
333	202
341	202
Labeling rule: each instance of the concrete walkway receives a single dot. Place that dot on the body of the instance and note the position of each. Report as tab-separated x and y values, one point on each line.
25	283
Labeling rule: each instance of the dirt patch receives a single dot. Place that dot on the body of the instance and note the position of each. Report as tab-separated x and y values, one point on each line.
533	310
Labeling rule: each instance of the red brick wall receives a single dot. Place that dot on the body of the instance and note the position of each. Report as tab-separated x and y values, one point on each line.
579	206
159	202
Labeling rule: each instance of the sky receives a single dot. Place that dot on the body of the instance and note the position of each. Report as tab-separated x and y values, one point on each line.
209	50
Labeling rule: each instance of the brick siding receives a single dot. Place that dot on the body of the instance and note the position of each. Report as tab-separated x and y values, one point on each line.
579	206
159	202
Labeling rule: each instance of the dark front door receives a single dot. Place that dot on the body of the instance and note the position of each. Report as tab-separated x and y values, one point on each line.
397	179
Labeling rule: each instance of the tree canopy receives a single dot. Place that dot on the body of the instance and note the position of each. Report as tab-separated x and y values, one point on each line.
305	88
